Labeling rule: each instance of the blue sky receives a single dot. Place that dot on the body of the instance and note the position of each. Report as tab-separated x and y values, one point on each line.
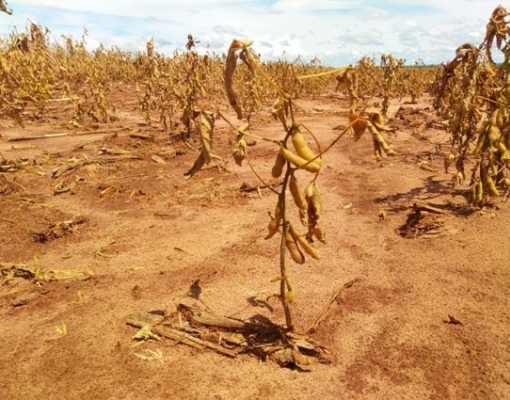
338	32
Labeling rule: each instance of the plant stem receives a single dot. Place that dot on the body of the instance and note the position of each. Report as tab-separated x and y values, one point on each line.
245	132
283	252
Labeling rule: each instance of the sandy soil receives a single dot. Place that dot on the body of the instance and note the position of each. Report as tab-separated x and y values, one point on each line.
426	317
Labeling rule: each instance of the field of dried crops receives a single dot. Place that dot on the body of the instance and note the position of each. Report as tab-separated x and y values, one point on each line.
135	258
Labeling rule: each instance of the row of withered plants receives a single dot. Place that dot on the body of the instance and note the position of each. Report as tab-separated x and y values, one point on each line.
472	94
38	73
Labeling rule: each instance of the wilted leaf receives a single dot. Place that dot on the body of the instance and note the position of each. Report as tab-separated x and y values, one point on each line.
239	152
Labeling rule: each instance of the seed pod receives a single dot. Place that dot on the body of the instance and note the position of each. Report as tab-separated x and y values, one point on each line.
500	118
279	163
472	194
230	67
305	244
381	145
493	168
389	151
505	157
293	248
313	198
481	144
319	234
491	187
205	126
501	147
300	162
301	146
479	193
358	125
291	294
493	134
298	197
494	117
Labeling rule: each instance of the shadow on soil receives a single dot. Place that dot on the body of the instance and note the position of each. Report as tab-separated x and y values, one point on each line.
432	190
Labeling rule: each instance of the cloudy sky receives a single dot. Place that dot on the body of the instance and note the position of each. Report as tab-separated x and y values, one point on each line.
336	31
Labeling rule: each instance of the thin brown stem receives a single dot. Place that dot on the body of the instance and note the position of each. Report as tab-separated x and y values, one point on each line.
245	132
283	252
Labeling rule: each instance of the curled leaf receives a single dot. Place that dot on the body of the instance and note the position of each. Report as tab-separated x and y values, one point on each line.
239	152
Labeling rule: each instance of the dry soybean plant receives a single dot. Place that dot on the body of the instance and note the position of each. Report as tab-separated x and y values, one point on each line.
391	68
390	79
369	118
289	160
473	93
414	81
368	74
298	160
175	87
25	72
35	72
295	161
348	78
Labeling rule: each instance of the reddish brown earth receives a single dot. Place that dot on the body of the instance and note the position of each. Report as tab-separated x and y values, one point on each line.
426	318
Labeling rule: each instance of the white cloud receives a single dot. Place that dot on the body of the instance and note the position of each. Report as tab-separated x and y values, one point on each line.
314	5
337	30
376	13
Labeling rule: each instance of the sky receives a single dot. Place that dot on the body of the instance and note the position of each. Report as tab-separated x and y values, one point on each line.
337	32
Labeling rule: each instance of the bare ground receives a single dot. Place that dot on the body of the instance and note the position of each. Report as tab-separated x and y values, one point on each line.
425	318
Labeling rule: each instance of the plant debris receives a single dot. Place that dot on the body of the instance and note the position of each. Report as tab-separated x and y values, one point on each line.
38	274
230	337
423	220
58	230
